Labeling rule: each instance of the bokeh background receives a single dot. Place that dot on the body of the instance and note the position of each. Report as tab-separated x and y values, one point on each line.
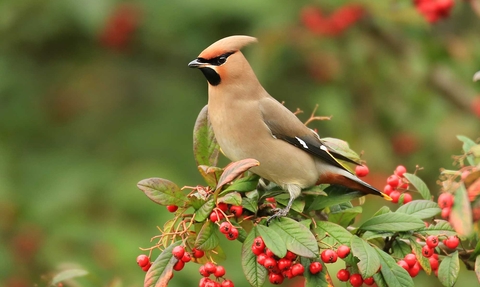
95	95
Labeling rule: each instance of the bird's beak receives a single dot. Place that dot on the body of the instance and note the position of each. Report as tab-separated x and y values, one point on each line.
195	64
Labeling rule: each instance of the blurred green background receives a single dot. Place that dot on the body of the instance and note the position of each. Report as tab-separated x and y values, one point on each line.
95	95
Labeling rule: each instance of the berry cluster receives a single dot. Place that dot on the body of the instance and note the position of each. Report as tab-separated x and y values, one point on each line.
220	212
334	24
445	202
434	10
396	186
218	271
144	262
356	279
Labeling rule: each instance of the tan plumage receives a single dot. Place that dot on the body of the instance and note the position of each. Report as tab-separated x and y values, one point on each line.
249	123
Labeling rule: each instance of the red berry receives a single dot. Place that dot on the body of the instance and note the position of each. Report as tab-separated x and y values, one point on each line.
446	212
427	251
433	263
276	279
225	227
270	199
411	259
400	170
210	267
465	174
407	197
178	252
414	270
395	195
172	208
222	206
197	253
179	265
403	264
203	272
284	264
236	210
368	281
227	283
329	256
451	242
269	252
143	260
219	272
343	275
297	269
387	189
315	267
356	280
445	200
432	241
214	216
288	273
393	180
290	255
343	251
203	282
146	267
361	170
233	234
257	251
186	257
261	258
259	243
270	263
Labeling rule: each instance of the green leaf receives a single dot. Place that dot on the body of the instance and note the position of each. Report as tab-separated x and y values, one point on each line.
205	146
67	274
207	238
162	191
400	248
475	252
204	211
477	267
393	274
422	209
345	217
298	204
467	145
461	214
272	240
337	234
392	222
250	204
243	184
233	198
234	170
417	250
419	185
210	174
384	209
336	194
369	235
253	271
379	280
441	227
297	237
161	270
369	262
341	147
321	279
448	270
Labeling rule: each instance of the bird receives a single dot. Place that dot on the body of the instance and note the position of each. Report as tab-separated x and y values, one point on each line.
249	123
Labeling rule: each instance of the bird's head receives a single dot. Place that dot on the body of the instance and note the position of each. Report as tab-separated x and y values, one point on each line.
223	61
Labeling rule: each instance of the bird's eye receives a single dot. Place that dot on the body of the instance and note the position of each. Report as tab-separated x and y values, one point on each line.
222	59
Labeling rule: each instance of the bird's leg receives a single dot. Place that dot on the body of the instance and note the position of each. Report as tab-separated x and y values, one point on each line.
294	191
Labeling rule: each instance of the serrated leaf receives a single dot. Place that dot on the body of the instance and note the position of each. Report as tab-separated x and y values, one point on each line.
272	240
297	237
422	209
369	262
321	279
253	271
477	268
67	274
205	146
207	239
210	174
336	194
393	274
448	270
392	222
417	250
400	248
204	211
419	185
233	198
467	145
243	184
162	268
335	232
234	170
345	217
461	214
162	191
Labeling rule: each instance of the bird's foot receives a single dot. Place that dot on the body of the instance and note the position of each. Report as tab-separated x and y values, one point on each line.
279	212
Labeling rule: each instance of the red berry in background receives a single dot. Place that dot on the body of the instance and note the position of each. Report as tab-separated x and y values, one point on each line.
407	197
236	210
329	256
368	281
393	180
172	208
179	265
233	234
432	241
203	282
178	252
356	280
227	283
219	272
361	170
214	216
445	200
400	170
465	174
186	257
315	267
297	269
395	195
427	251
197	253
411	259
270	263
276	279
283	264
143	260
387	189
225	227
146	267
446	212
451	242
261	258
120	26
343	275
403	264
203	272
271	199
259	243
343	251
210	267
414	270
433	263
222	206
290	255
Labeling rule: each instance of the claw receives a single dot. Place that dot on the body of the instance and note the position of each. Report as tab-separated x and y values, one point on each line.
278	213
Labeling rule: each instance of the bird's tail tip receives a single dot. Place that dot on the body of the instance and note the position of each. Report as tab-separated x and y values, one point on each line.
385	196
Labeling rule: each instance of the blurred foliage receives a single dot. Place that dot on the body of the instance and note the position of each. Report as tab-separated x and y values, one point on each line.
96	95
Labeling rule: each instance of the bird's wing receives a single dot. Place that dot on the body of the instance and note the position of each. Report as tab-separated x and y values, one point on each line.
284	125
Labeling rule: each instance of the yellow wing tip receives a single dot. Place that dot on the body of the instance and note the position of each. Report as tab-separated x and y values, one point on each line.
386	196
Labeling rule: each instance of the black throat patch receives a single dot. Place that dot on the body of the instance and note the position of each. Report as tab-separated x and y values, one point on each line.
212	77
